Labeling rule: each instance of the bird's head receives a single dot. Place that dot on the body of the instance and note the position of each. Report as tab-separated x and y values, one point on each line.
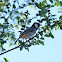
36	25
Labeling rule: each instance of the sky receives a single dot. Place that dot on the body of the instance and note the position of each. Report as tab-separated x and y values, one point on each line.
50	52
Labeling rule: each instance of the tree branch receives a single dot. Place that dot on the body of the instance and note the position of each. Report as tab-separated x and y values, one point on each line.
10	50
18	45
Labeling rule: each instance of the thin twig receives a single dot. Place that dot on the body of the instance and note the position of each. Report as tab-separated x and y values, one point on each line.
10	50
18	45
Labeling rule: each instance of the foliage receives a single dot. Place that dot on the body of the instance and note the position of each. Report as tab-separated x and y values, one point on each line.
6	60
15	16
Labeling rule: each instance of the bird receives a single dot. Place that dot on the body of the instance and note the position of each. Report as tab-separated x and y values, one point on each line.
29	32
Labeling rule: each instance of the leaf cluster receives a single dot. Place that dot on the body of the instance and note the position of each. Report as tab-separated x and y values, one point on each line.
14	17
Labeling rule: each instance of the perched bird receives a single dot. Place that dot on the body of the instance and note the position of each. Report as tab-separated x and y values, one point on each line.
29	32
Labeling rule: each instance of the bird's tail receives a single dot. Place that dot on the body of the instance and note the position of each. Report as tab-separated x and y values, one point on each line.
17	40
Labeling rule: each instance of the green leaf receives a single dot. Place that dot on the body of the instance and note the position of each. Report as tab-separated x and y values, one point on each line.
1	3
41	42
32	0
6	60
23	17
14	6
27	49
37	4
17	17
0	14
42	38
2	41
23	26
10	44
61	3
5	11
16	12
54	21
21	48
51	35
30	6
57	27
61	26
22	29
43	3
57	4
12	36
52	5
61	22
37	42
11	25
37	36
21	20
10	17
47	35
60	17
6	0
51	1
20	41
16	26
41	33
53	15
8	34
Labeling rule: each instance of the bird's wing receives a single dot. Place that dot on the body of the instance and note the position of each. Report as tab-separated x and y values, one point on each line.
31	29
28	30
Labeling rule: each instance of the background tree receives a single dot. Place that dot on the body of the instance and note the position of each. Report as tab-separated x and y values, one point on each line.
16	15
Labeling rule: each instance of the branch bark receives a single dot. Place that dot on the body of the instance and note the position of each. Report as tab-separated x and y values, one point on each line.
18	45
